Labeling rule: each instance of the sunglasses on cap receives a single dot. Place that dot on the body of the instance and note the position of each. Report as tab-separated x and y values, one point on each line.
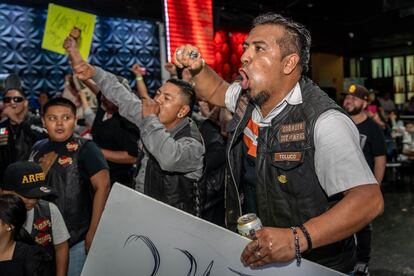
15	99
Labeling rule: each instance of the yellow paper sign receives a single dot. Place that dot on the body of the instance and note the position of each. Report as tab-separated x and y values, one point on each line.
60	21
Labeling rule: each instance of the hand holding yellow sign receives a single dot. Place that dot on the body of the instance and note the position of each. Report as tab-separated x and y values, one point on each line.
61	22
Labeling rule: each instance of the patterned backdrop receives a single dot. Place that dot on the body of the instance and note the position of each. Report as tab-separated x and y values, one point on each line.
117	44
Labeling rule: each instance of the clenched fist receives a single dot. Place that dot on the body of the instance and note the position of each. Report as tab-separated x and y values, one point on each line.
188	56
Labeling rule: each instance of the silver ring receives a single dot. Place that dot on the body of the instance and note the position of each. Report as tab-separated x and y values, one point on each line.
258	254
179	52
193	54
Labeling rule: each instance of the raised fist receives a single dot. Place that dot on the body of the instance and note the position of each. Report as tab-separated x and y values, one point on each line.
188	56
69	44
138	70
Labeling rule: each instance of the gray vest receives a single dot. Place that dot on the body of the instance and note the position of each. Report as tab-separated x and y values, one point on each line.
174	188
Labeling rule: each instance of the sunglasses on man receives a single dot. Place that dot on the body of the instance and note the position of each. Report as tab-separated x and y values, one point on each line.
15	99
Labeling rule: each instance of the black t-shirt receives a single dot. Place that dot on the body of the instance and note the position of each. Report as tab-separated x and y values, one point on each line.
117	134
27	260
249	182
372	141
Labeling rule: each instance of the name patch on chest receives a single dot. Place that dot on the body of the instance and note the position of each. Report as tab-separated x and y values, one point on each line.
65	161
292	132
288	156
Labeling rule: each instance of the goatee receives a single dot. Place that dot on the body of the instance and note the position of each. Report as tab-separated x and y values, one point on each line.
260	98
354	111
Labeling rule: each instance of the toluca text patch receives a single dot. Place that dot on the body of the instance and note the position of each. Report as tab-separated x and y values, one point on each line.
288	156
292	132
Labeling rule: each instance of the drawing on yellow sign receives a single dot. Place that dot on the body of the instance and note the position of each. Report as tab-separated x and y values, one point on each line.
60	22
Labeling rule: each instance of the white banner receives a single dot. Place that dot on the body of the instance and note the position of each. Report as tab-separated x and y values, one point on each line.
138	235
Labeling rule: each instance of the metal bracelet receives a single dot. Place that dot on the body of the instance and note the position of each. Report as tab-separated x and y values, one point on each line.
297	247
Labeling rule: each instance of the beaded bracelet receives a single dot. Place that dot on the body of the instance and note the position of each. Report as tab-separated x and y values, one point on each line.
297	246
307	236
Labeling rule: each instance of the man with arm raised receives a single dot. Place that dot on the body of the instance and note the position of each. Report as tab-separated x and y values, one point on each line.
294	156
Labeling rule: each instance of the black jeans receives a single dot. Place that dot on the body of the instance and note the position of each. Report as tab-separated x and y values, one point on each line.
364	244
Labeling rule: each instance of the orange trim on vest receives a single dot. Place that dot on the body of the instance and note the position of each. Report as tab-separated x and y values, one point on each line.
250	137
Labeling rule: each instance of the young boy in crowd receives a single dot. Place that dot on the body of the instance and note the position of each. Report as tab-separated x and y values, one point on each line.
44	222
76	169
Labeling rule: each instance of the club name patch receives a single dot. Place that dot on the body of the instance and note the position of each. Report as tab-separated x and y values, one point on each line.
42	224
43	239
72	146
292	132
288	156
65	161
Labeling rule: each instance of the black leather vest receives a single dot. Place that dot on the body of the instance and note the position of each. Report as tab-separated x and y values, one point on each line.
174	188
42	227
74	194
288	192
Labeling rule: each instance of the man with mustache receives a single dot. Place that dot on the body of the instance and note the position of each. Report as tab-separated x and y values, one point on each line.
294	156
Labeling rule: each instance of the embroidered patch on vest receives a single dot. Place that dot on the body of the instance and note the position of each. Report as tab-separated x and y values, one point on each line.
282	179
72	146
4	131
4	136
288	156
292	128
293	137
42	224
43	239
65	161
292	132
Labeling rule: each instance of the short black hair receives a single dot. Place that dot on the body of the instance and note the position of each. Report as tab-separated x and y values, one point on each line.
296	39
17	89
187	91
59	102
13	212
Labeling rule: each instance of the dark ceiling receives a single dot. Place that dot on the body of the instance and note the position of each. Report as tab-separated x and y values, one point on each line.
351	28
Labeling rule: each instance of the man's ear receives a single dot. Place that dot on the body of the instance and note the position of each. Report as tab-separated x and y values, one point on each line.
184	110
43	122
290	62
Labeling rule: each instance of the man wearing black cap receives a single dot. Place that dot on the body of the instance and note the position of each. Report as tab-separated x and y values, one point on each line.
373	145
44	221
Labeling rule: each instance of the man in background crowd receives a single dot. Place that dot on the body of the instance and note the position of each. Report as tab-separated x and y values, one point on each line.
19	129
373	146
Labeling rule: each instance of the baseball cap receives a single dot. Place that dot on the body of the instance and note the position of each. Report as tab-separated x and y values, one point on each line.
27	179
357	91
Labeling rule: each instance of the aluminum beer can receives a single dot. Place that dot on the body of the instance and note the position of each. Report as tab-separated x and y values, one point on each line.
248	224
